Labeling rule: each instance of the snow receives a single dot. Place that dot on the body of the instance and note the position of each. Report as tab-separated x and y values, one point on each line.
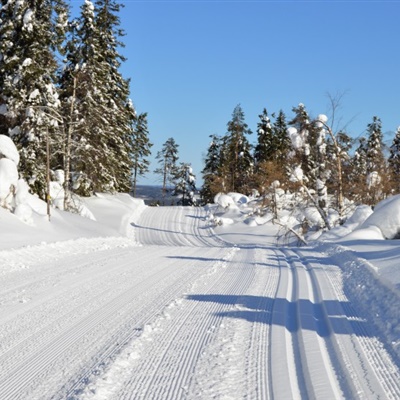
3	107
8	180
27	62
8	149
195	303
34	94
321	120
28	20
297	174
386	218
224	200
295	137
373	179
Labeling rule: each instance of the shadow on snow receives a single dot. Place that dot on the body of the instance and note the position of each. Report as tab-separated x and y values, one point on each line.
330	316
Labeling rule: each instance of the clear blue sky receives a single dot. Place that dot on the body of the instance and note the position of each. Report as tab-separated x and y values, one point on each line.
192	62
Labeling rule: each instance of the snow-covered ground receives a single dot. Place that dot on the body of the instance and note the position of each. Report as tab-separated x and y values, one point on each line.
157	303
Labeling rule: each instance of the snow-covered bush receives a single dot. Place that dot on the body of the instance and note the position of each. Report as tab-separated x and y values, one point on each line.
223	200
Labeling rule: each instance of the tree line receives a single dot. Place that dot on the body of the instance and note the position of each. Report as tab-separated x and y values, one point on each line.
303	154
63	100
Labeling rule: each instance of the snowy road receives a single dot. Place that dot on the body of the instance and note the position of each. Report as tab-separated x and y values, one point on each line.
183	316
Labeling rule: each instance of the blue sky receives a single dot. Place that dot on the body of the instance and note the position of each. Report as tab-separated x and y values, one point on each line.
192	62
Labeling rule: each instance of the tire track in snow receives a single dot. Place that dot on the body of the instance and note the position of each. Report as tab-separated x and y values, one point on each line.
310	335
284	356
176	226
234	364
259	354
371	368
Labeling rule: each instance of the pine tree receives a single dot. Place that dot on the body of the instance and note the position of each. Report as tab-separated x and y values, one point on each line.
121	114
358	172
238	159
211	170
271	153
300	142
29	104
374	154
266	145
394	162
141	149
319	171
185	184
167	158
100	116
338	162
375	161
279	131
84	104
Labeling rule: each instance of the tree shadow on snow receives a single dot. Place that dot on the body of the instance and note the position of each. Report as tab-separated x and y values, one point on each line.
259	264
325	318
206	259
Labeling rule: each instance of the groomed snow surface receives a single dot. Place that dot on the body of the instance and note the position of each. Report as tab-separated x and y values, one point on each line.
153	303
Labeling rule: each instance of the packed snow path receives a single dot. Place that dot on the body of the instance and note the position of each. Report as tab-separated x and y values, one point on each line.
182	316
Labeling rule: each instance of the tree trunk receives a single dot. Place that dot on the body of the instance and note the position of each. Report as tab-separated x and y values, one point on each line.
134	179
67	153
48	198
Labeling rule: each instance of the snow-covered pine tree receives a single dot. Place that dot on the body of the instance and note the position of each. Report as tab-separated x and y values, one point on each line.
308	167
279	131
309	145
69	76
141	149
375	161
270	153
358	173
121	114
298	133
319	172
265	149
211	170
276	169
394	162
338	163
185	184
100	116
238	159
167	158
84	104
29	105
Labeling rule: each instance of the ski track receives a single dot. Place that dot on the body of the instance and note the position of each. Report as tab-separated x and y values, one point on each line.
174	312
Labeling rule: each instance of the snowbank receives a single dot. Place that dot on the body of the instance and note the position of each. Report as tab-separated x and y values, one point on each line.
386	217
24	218
113	216
8	149
376	298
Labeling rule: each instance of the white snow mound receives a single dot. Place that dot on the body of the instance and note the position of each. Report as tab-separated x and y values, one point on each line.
224	200
386	217
238	198
8	149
